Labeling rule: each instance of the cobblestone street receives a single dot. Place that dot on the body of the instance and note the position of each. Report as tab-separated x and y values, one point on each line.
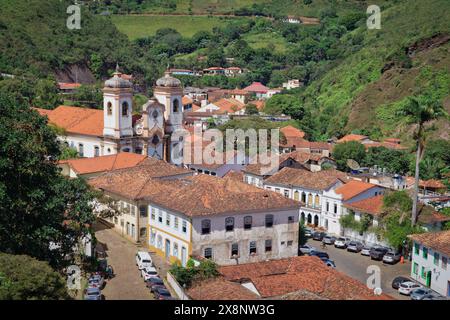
127	283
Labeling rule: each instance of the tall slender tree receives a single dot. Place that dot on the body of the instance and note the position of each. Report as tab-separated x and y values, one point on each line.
420	111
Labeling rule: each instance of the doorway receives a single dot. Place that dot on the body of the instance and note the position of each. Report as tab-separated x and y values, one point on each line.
167	251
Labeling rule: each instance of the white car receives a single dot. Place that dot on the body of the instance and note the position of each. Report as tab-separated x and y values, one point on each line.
406	287
306	249
149	272
341	242
366	251
143	260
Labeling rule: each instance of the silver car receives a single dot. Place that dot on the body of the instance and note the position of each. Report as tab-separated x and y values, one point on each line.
306	249
365	251
354	246
392	257
419	294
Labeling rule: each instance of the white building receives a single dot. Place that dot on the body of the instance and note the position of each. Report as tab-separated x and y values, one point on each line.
431	252
292	84
114	129
307	187
335	199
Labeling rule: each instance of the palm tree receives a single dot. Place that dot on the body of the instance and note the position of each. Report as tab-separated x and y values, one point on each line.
420	111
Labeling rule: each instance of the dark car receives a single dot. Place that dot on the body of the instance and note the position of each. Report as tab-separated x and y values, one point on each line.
319	254
162	293
154	281
318	236
157	287
378	253
328	262
398	281
329	240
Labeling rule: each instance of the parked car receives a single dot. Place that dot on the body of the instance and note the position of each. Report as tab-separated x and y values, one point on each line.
377	253
354	246
96	281
420	293
319	254
392	257
92	294
406	287
318	236
306	249
434	296
398	281
329	240
143	260
365	251
156	287
341	242
148	273
328	262
162	293
154	281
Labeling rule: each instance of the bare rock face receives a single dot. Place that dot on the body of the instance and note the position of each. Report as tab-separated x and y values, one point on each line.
75	73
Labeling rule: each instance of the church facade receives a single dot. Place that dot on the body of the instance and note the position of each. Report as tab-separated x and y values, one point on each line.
153	132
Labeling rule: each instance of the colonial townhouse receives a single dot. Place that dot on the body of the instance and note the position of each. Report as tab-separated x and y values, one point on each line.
123	188
307	187
335	199
431	252
221	219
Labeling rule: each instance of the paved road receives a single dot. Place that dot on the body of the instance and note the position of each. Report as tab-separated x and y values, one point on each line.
127	283
355	265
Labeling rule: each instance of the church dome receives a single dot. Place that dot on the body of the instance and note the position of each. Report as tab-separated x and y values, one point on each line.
168	81
117	81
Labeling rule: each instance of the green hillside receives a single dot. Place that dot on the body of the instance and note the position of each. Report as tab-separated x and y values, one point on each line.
365	89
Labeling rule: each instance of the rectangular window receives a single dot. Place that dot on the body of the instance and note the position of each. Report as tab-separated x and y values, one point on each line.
436	258
252	247
289	243
268	245
153	216
96	151
208	253
416	248
152	237
175	223
128	228
269	220
80	150
328	207
425	252
160	218
247	223
143	211
206	226
444	263
286	193
291	219
422	273
235	249
229	224
167	219
415	268
132	230
335	208
184	226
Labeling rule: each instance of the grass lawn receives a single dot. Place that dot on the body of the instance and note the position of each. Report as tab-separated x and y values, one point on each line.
262	40
143	26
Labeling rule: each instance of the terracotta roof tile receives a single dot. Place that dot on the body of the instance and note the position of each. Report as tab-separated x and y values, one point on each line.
228	105
353	188
438	241
373	206
234	175
78	120
278	278
67	86
220	289
290	131
213	195
320	180
257	87
43	112
105	163
352	137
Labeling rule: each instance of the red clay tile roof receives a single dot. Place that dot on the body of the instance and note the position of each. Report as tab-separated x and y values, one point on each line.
67	86
234	175
200	195
320	180
258	103
353	188
373	206
290	131
352	137
239	92
277	278
257	87
220	289
186	100
432	184
43	112
438	241
77	120
105	163
320	145
228	105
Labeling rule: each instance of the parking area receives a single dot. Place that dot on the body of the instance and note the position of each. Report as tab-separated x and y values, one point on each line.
355	265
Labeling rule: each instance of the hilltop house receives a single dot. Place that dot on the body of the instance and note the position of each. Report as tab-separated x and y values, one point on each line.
258	89
114	129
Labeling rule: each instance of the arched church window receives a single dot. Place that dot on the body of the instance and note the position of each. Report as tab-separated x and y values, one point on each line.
176	105
109	108
155	140
125	109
